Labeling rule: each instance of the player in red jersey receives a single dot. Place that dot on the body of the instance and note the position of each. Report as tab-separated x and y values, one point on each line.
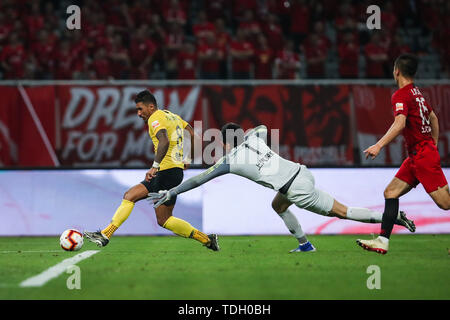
415	117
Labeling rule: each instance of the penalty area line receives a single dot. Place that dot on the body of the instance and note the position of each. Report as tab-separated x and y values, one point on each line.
53	272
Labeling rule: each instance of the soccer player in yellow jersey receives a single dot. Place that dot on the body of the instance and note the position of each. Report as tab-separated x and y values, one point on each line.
166	132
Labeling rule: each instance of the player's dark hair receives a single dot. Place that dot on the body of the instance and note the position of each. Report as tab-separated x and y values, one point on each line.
234	131
407	64
145	97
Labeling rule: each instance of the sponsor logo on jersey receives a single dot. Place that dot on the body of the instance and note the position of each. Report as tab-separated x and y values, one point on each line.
398	106
155	124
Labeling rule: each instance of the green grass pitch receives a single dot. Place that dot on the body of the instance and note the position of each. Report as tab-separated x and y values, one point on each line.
247	267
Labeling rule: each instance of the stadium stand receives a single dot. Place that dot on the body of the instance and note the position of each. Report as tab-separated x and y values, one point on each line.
199	39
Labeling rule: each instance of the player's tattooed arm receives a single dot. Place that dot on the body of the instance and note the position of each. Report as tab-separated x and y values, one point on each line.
220	168
163	146
434	127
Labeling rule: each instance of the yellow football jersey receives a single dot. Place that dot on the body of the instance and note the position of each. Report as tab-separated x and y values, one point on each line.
164	119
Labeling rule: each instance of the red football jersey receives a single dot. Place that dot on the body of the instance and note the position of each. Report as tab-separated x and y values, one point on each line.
410	102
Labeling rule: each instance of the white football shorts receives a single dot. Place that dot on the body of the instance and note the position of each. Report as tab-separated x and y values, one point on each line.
304	194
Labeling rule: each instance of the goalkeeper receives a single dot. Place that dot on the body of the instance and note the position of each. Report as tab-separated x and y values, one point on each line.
249	156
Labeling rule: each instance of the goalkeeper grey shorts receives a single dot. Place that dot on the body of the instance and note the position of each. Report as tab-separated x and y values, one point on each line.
304	194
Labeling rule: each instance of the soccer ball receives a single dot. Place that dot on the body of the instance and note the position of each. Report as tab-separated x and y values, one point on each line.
71	240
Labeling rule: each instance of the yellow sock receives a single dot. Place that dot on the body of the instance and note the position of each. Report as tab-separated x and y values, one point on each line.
178	226
184	229
122	214
199	236
109	230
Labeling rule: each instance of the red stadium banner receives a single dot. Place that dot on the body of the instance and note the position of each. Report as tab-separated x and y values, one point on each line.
96	126
99	125
313	121
9	137
27	126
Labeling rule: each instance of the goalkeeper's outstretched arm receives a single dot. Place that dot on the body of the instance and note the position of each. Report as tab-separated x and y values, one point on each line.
220	168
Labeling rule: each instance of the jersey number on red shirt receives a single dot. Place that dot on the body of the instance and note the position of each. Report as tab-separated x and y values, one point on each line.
424	114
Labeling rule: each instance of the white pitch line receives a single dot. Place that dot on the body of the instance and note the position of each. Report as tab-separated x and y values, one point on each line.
52	272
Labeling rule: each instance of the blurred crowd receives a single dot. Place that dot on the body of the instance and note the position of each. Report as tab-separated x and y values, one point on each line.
216	39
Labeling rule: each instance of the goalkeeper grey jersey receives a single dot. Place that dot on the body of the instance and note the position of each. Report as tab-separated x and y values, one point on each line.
254	160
